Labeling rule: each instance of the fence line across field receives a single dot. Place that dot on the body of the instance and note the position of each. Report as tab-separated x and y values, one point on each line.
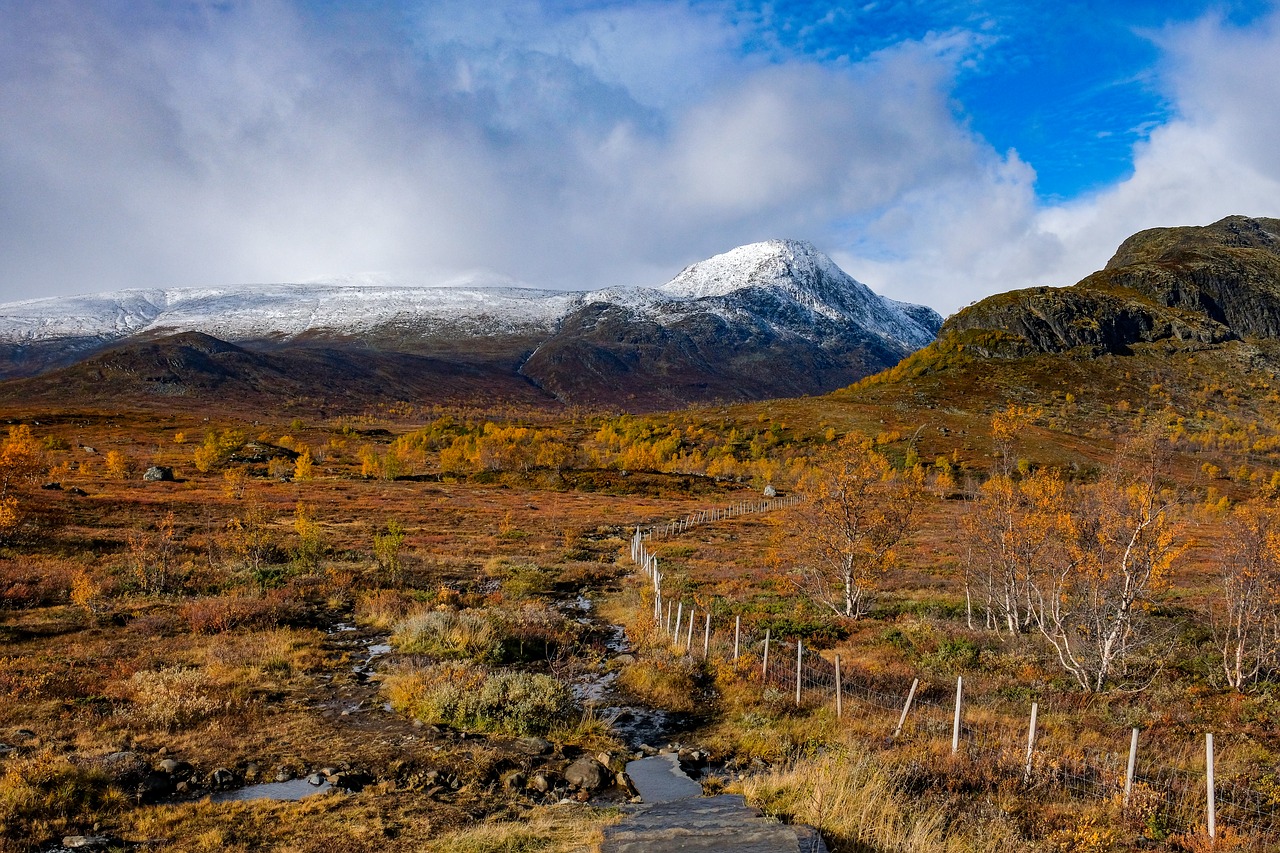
1191	799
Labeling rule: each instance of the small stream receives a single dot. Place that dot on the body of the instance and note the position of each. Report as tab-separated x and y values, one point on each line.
634	725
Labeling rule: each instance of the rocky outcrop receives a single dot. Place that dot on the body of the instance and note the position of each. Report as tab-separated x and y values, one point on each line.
1191	286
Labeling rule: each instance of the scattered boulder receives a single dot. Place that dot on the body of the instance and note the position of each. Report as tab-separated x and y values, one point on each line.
587	774
86	842
514	780
77	491
283	774
52	487
543	782
770	492
315	779
157	474
174	767
533	746
223	777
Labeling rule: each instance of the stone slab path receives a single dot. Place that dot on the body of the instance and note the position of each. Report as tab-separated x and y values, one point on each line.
723	824
676	817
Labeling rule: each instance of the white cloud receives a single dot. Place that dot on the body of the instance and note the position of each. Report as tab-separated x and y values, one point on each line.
245	141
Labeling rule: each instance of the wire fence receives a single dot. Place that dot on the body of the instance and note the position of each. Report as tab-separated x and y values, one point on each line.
997	744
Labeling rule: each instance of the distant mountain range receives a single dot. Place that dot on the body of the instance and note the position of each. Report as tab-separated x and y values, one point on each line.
770	319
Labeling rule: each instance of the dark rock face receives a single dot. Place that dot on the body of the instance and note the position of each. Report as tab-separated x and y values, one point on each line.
1192	286
600	354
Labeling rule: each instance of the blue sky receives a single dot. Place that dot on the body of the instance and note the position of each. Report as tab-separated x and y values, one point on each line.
939	151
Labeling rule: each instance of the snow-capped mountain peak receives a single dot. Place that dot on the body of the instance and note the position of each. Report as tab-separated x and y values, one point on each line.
809	277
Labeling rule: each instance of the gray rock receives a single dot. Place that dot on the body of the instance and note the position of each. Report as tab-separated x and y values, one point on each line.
85	842
175	767
157	474
284	774
316	779
770	492
223	777
514	780
533	745
588	774
542	782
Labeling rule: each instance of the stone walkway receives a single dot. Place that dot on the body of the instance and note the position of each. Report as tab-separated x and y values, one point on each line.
723	824
676	817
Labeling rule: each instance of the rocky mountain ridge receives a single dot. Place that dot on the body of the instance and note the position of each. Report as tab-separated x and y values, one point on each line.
771	319
1186	286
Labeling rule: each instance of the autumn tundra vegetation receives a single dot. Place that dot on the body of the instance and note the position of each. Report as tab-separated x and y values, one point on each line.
1113	557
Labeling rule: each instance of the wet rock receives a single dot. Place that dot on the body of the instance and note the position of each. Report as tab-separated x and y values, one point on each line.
158	474
223	777
351	781
587	774
623	781
316	779
156	785
183	787
284	774
328	771
86	842
646	749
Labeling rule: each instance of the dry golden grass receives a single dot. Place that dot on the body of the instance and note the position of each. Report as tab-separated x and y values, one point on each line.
557	829
857	804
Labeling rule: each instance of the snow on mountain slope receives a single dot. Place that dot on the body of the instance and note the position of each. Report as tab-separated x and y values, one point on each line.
811	279
281	310
751	280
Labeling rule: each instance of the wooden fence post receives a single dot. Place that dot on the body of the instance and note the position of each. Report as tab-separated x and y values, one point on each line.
839	694
706	638
1031	741
1213	806
799	668
955	725
764	667
737	634
679	616
1133	761
688	640
915	682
